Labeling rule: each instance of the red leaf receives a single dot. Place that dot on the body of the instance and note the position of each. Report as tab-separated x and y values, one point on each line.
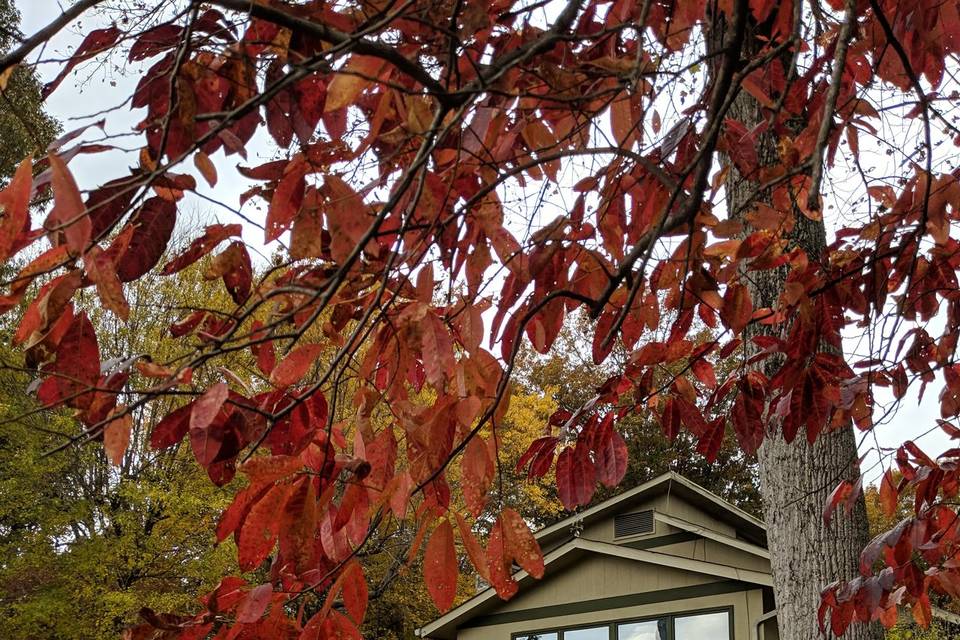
96	41
296	365
172	428
287	198
520	543
611	458
575	477
260	528
15	202
68	215
737	307
206	437
212	236
440	566
76	368
355	593
206	407
254	604
152	225
478	470
234	515
837	496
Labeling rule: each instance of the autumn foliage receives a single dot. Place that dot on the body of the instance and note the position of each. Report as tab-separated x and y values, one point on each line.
408	276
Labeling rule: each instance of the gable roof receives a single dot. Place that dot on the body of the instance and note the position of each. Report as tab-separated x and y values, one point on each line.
567	548
446	625
670	483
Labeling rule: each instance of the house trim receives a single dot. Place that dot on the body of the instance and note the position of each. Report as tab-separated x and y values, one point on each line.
615	550
607	604
611	505
704	532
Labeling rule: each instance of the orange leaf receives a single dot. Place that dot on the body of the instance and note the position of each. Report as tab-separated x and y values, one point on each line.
116	435
69	213
520	543
474	550
440	566
888	494
264	469
205	167
260	528
101	270
350	81
292	368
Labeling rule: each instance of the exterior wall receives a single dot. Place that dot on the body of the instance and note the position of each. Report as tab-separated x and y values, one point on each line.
747	607
665	504
711	551
595	577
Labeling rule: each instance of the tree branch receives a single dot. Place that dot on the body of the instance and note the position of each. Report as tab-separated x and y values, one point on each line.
17	56
356	44
830	105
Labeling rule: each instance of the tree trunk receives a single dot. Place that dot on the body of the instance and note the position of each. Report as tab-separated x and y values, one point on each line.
796	478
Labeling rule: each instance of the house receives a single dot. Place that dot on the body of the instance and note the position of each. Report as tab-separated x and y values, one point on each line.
667	560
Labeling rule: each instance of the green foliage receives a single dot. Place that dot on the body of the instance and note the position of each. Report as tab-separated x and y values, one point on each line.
26	128
86	544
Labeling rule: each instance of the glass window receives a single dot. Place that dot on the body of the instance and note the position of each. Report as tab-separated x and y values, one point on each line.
707	626
594	633
551	635
649	630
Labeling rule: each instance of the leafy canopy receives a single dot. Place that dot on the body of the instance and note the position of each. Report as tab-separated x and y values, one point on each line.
455	178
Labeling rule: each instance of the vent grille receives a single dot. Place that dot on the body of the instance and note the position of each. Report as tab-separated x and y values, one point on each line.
632	524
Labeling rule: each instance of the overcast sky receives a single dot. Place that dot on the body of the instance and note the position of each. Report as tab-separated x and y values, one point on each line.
92	89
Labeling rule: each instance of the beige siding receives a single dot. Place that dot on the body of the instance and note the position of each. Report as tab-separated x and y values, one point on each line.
747	607
711	551
666	504
601	577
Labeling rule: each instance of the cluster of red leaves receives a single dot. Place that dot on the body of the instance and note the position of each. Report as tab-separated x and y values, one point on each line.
342	91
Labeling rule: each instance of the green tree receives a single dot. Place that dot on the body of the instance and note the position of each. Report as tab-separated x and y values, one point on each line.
86	543
26	127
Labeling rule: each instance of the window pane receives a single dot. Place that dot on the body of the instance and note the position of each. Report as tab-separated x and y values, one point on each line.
650	630
709	626
596	633
539	636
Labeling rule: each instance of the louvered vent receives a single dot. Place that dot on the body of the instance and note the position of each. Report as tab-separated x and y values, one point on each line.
632	524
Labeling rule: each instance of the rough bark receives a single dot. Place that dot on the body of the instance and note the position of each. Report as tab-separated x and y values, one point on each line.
796	478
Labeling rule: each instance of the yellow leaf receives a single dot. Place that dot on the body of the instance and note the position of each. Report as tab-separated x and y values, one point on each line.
351	80
5	77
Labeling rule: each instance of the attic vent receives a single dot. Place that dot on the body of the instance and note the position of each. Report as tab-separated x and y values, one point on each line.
632	524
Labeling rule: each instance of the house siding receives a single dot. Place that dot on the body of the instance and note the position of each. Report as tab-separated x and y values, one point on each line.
746	606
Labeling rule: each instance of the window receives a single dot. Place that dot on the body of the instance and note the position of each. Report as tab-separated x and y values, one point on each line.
709	625
593	633
649	630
